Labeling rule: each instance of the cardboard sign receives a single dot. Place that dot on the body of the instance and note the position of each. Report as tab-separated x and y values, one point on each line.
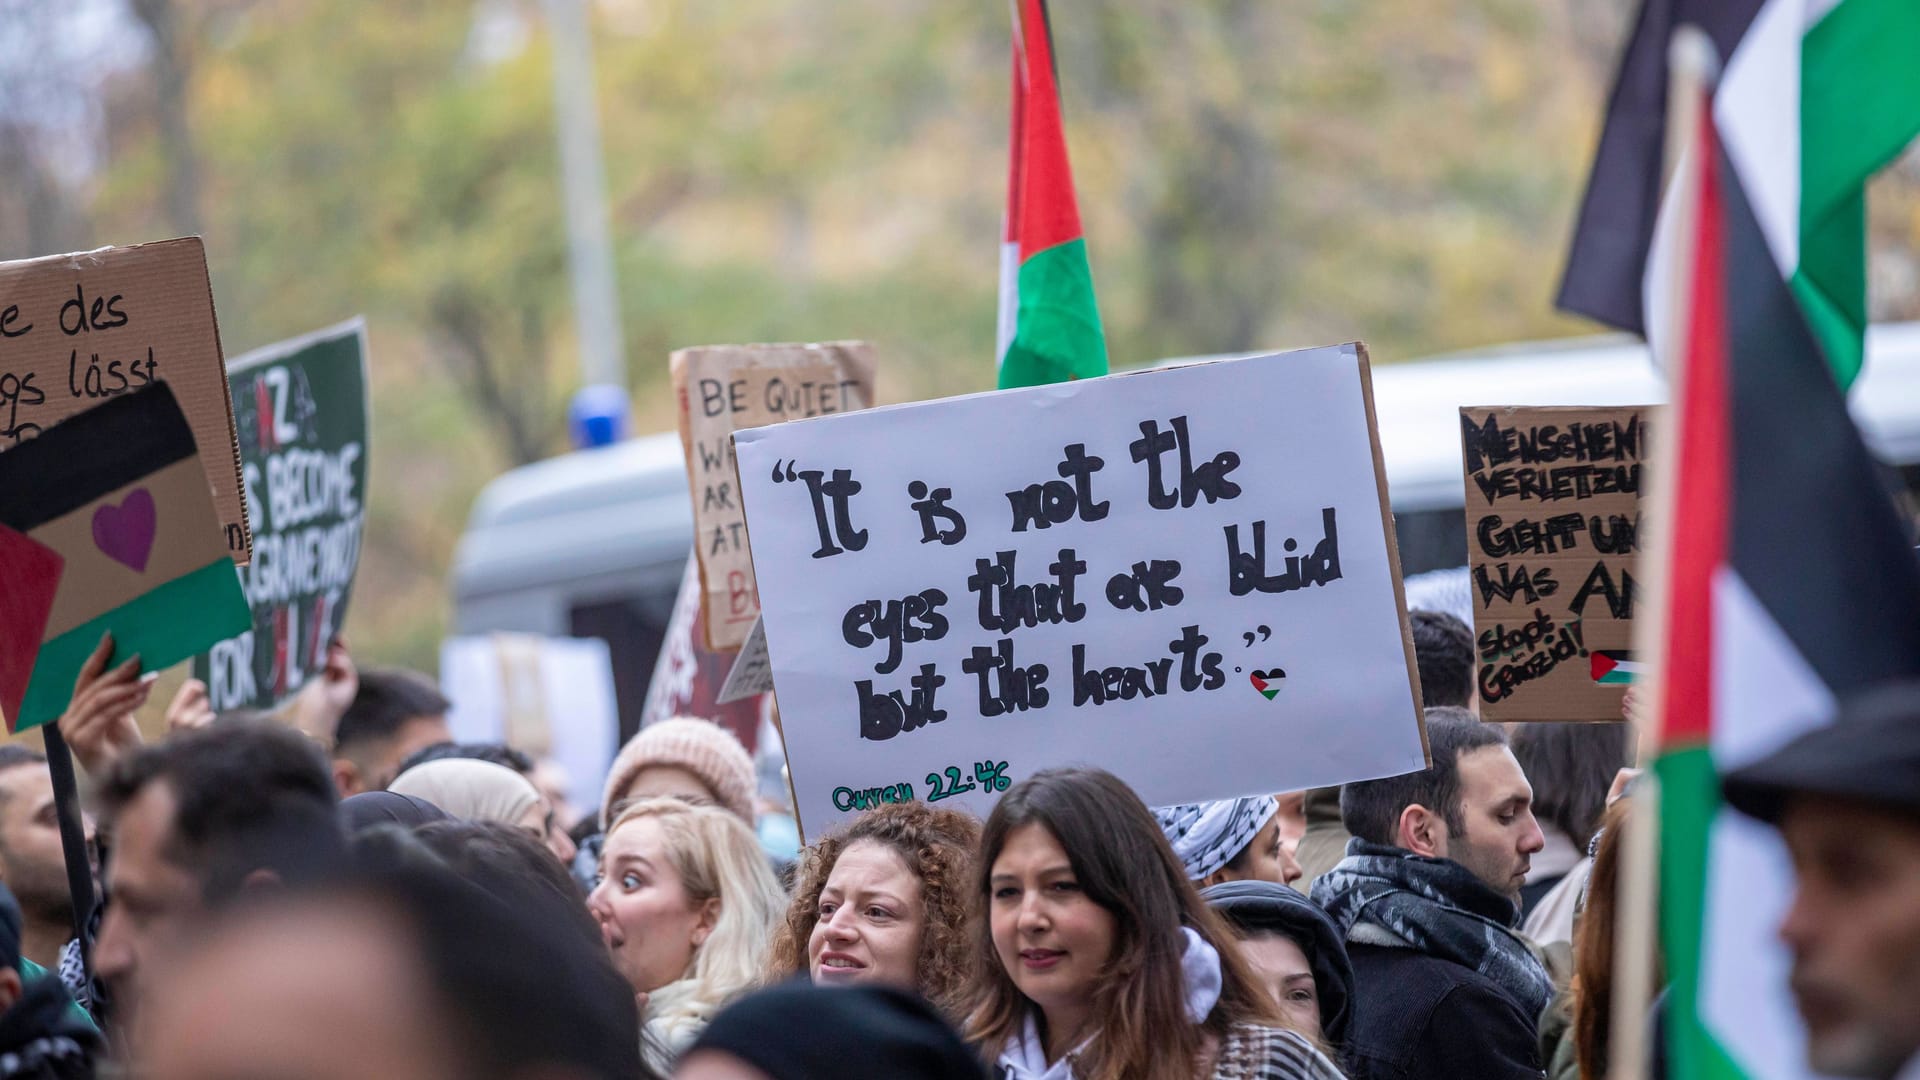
687	677
300	407
1185	576
80	329
724	388
1553	526
119	494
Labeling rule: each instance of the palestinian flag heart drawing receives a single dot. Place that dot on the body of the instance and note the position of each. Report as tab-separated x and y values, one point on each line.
1267	682
107	526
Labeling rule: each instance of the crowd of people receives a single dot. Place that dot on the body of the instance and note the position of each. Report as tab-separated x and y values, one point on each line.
344	891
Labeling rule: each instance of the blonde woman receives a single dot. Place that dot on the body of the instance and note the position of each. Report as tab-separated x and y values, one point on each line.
686	905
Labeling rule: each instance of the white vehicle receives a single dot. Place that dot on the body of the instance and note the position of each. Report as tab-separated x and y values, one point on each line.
593	543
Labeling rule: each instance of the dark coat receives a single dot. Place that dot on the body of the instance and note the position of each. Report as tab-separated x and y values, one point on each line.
1417	1017
41	1038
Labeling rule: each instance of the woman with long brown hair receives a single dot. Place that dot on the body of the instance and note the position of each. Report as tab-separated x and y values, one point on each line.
884	900
1095	959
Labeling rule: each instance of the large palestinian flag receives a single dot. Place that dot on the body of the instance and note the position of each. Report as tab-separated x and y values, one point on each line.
118	494
1049	328
1789	585
1817	95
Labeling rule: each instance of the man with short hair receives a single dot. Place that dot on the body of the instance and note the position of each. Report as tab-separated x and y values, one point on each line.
404	973
1443	653
32	864
394	713
1846	799
1427	899
193	821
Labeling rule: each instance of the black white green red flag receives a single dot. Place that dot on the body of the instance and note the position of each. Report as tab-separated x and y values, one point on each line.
1817	95
1789	586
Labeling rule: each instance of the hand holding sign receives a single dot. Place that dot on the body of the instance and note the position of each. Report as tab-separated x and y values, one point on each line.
99	724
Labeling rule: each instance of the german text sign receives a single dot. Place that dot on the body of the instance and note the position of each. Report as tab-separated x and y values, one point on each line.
77	330
723	388
1553	526
301	411
1185	576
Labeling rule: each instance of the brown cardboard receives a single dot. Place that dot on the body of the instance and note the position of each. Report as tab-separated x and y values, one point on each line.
1393	545
1509	538
725	388
78	329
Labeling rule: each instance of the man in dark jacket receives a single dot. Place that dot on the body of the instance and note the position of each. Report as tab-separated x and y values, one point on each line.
42	1036
1427	898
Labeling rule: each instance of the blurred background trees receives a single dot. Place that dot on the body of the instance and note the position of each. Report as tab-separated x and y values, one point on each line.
1251	175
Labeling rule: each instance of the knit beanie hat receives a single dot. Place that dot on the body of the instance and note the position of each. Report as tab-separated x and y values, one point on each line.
701	747
796	1031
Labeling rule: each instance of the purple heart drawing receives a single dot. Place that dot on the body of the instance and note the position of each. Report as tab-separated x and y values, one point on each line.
124	533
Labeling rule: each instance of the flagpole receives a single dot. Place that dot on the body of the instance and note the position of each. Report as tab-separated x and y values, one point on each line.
73	839
1693	68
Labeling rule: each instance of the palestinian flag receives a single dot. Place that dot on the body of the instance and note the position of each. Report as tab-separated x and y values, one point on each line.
1612	667
117	493
1049	327
1817	95
1788	585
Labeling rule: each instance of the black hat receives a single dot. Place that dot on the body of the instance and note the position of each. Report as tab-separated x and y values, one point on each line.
797	1031
368	809
1870	753
1264	905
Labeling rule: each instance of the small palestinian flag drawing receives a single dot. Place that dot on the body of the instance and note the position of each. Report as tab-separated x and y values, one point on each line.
1615	667
119	494
27	584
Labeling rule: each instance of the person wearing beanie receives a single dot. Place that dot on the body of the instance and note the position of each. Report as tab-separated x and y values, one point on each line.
795	1031
1229	840
696	760
41	1037
1295	950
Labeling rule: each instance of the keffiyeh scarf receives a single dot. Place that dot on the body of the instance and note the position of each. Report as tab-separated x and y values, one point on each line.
1438	907
1207	836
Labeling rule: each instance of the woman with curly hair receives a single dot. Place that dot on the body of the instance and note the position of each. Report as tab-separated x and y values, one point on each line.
884	900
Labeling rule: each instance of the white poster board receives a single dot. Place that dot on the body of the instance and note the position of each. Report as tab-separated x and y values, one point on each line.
549	696
905	668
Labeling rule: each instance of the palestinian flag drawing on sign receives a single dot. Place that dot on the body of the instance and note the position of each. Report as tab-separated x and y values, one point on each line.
1049	329
1790	586
1611	667
1816	97
119	494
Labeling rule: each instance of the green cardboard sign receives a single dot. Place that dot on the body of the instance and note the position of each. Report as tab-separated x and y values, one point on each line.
300	412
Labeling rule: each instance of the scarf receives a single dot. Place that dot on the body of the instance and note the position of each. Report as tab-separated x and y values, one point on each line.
473	790
1207	836
1025	1056
1438	907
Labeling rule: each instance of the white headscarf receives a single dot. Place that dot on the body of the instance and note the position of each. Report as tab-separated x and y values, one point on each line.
1207	836
475	790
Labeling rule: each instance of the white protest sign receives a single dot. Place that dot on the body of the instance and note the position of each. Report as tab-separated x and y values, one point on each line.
1185	576
751	674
